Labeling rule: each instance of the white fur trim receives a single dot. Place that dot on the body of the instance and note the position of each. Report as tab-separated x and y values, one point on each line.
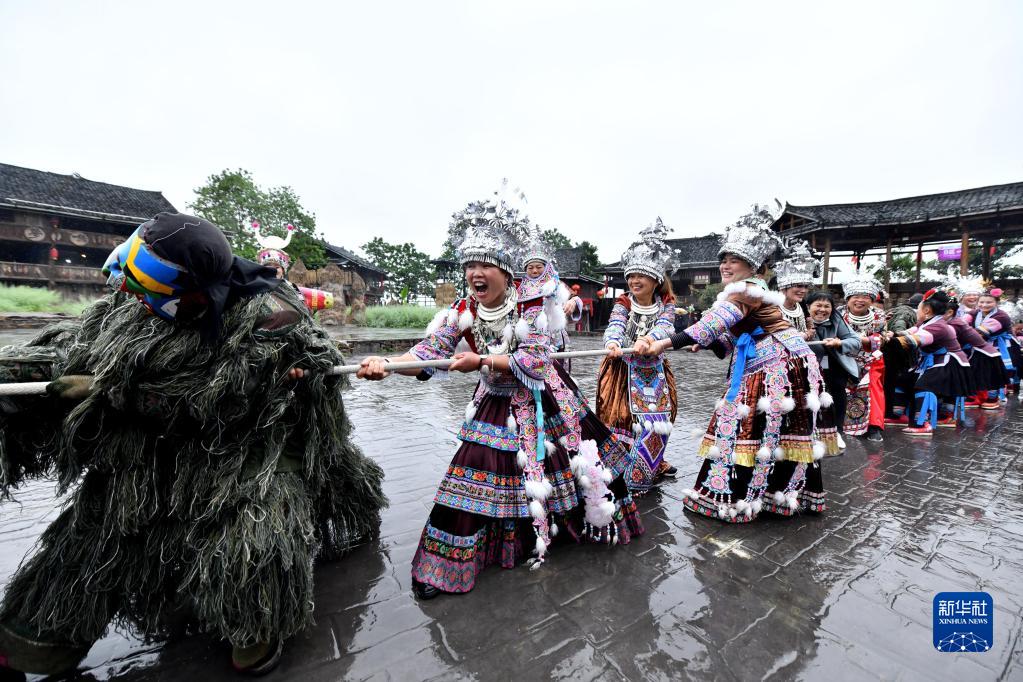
512	424
608	508
507	333
470	411
779	454
764	454
792	502
548	288
562	295
721	296
584	482
541	547
723	511
541	321
743	410
774	297
714	451
606	476
522	458
691	493
827	400
522	329
437	322
576	464
813	402
787	404
818	450
719	405
465	320
557	319
764	404
756	506
536	510
462	346
732	513
551	447
648	425
734	288
452	317
637	428
779	497
536	490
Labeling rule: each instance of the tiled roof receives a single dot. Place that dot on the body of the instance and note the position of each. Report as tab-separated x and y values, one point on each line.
569	263
36	190
345	254
913	209
694	252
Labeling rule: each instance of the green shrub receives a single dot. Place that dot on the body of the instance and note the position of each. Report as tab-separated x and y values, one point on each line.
22	299
399	316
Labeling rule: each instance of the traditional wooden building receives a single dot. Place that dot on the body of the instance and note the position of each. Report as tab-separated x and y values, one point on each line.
569	264
363	274
969	218
698	267
57	230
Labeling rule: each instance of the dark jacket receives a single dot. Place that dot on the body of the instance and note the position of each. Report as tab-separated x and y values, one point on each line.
901	318
833	328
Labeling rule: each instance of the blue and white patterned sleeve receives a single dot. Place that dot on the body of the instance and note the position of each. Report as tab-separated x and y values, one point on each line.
615	332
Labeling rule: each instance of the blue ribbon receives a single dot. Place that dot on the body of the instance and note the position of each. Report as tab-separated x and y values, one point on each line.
541	435
927	360
1002	340
744	345
928	406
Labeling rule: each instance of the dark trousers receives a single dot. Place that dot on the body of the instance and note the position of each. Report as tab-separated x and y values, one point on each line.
835	380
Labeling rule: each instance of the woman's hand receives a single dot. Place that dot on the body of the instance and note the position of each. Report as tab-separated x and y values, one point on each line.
810	334
296	373
832	343
465	362
614	350
642	345
373	368
570	305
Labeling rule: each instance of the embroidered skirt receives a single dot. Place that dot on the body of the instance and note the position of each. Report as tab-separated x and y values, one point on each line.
763	443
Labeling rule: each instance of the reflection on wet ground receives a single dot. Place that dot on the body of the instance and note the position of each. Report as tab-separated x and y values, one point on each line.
844	596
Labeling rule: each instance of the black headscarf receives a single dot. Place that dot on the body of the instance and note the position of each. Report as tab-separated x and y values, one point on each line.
202	249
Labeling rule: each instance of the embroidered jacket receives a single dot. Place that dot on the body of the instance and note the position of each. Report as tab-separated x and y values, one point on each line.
622	328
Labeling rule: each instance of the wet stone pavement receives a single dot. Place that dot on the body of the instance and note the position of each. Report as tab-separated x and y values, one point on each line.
846	596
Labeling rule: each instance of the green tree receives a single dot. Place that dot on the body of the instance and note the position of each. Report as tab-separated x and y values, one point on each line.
589	264
233	200
708	295
556	239
409	270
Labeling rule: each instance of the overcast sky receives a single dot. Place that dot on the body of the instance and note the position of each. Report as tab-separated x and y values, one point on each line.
387	117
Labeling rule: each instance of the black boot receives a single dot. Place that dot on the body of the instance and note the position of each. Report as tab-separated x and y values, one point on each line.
424	591
875	434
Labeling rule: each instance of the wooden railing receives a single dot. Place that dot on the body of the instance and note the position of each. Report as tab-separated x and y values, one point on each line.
46	273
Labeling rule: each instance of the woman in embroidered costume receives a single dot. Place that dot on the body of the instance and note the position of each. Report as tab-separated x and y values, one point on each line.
942	370
509	486
542	286
760	449
636	395
994	324
987	371
865	408
207	469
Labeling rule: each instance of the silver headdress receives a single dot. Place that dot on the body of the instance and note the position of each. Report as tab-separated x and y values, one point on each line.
751	238
972	285
491	231
536	247
651	255
861	286
799	265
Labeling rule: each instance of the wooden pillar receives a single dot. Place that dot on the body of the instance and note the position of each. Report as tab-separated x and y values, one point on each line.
964	256
888	266
986	259
827	261
919	260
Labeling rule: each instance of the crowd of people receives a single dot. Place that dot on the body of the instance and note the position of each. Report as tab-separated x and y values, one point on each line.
194	414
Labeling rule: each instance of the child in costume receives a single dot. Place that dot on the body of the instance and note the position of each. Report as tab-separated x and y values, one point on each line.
207	450
760	450
510	487
272	255
866	404
636	394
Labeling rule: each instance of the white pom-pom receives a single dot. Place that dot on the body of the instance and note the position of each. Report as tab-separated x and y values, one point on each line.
512	424
536	490
541	547
732	513
557	319
576	464
540	322
779	498
607	507
452	317
464	320
764	454
507	333
606	476
548	288
741	506
637	428
696	433
437	322
792	502
662	428
818	450
563	442
723	511
522	329
554	530
536	510
691	493
779	454
787	404
756	506
813	402
720	405
714	451
743	410
470	412
648	425
522	458
764	404
551	447
584	482
826	399
562	295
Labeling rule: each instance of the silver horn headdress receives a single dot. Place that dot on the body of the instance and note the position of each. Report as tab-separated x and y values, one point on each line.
491	231
751	238
799	266
651	255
